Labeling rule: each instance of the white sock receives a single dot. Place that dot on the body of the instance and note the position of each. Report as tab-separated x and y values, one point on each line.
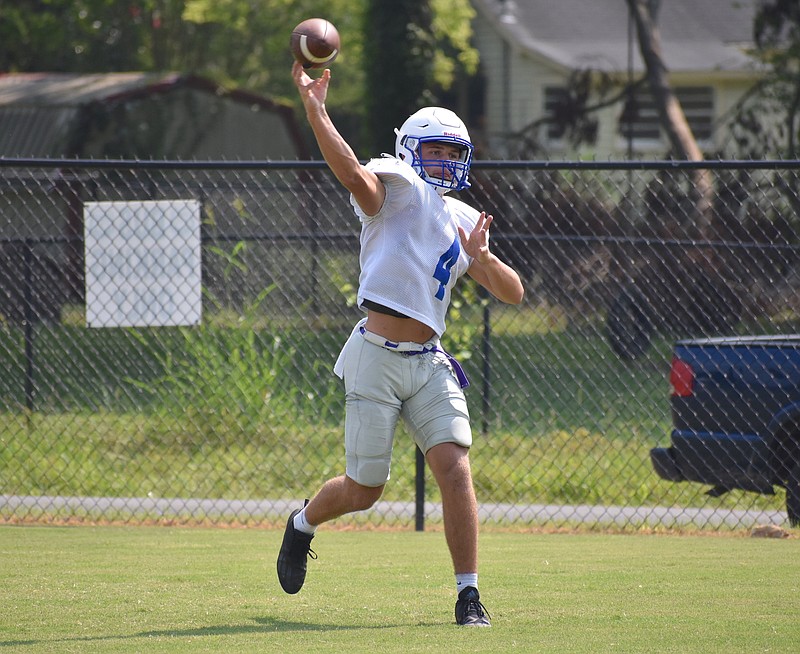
301	524
466	579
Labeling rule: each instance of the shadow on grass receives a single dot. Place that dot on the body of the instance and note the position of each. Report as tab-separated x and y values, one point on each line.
262	626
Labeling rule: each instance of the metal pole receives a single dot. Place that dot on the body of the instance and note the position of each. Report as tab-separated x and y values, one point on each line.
420	491
28	318
486	350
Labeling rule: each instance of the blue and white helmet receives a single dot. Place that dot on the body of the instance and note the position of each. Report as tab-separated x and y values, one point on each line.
439	125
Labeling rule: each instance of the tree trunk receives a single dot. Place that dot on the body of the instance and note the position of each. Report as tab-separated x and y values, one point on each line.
398	51
673	120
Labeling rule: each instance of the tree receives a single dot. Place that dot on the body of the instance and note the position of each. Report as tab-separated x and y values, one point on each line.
398	49
590	90
235	42
767	121
673	120
246	43
413	49
69	36
418	47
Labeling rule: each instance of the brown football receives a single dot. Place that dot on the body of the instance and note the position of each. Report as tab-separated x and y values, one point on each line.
315	43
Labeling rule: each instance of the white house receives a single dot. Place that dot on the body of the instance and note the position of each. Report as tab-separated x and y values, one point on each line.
529	48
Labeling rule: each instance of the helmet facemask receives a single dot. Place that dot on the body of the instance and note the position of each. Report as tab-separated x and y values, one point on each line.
447	174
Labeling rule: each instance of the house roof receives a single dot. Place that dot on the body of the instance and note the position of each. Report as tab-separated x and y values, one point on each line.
696	36
68	89
37	110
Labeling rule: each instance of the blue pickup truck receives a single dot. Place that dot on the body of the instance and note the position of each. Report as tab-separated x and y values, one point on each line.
736	416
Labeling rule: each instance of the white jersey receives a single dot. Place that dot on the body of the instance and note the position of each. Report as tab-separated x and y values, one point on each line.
411	254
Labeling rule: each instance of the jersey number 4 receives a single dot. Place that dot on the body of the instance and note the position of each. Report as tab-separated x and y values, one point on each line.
445	263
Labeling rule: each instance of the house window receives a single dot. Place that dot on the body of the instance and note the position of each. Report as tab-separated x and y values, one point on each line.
555	100
640	119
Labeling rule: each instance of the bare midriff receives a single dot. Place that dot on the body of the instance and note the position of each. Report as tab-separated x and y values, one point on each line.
398	329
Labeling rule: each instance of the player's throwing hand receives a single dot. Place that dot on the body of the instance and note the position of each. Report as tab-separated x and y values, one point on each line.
313	92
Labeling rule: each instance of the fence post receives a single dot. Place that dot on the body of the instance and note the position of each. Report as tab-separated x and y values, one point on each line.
486	352
420	491
28	318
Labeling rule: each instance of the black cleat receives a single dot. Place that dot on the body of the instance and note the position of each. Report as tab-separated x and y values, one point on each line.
469	610
293	557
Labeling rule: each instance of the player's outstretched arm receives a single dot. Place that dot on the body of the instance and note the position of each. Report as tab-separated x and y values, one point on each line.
365	186
494	275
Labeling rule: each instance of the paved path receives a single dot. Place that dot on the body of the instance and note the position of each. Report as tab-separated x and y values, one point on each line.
120	508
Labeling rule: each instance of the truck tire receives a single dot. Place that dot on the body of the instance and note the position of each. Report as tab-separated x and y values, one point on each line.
793	495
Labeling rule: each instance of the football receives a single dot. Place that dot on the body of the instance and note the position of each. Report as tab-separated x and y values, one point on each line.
315	43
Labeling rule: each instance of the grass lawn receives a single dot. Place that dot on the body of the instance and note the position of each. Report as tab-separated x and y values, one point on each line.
157	589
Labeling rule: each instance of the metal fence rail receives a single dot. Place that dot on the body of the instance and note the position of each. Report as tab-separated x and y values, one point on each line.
237	416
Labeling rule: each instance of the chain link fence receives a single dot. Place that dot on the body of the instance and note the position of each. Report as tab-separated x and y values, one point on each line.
224	409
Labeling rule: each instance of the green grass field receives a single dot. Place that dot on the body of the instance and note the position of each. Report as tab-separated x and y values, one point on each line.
157	589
